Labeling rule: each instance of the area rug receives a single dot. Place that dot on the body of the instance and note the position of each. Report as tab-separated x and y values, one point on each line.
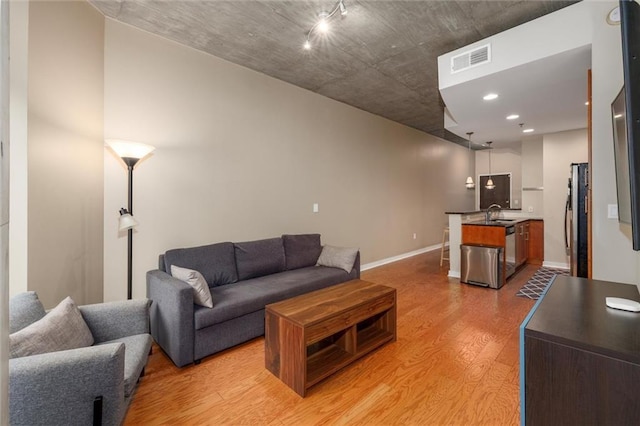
539	282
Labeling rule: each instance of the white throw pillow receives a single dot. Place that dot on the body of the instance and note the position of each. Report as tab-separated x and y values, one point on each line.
201	293
338	257
61	329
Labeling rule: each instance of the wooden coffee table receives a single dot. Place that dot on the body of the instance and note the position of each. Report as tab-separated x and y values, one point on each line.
310	337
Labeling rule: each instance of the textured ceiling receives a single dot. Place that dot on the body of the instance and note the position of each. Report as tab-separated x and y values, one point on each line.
381	57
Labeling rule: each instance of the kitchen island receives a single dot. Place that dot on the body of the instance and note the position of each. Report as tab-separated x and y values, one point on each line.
477	230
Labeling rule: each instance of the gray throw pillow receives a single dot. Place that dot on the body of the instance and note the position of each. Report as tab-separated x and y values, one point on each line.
201	293
216	262
24	309
338	257
61	329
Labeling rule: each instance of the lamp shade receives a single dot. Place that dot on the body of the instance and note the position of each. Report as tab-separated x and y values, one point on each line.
128	149
469	184
490	184
126	221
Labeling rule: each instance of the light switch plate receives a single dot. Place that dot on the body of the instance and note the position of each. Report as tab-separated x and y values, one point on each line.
612	211
315	207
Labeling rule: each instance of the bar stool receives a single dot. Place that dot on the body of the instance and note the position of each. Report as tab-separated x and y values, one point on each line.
445	238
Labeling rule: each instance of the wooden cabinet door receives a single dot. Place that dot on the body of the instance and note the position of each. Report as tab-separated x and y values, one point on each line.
527	236
520	244
536	242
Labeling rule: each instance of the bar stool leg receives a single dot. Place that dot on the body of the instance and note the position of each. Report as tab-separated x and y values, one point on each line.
445	235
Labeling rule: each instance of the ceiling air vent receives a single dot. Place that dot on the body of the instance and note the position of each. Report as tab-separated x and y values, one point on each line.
471	58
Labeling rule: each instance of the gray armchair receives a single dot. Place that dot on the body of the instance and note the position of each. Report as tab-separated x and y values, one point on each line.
91	385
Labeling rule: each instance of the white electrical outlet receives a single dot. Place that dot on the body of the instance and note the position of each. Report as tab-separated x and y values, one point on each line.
316	208
530	209
516	202
415	235
612	211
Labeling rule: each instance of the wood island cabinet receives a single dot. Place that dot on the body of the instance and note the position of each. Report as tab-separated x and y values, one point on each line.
529	240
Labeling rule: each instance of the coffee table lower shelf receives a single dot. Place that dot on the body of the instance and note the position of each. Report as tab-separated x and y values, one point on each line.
303	350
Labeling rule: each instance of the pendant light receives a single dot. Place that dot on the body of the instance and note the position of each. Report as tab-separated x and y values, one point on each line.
490	184
469	184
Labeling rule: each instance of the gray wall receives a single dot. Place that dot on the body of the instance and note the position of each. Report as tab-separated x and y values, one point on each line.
243	156
65	151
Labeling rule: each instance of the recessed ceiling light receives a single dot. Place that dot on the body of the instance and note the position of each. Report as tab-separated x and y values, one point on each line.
490	97
512	116
307	45
528	130
586	103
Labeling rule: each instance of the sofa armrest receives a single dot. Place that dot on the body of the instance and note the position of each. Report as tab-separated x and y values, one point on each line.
60	387
172	323
356	266
115	320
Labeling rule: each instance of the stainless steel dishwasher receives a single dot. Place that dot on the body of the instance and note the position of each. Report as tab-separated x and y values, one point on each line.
481	265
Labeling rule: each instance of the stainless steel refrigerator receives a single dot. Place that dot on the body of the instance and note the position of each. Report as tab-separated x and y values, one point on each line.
575	219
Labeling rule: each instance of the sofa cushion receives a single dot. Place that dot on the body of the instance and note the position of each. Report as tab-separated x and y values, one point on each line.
61	329
259	258
201	293
24	309
216	262
301	250
136	353
338	257
252	295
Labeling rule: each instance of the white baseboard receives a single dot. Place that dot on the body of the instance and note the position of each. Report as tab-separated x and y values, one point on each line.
556	265
399	257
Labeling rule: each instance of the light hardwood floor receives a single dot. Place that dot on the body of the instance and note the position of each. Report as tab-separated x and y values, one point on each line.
455	363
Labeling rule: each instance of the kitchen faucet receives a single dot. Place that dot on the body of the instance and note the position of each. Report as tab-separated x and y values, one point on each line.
498	207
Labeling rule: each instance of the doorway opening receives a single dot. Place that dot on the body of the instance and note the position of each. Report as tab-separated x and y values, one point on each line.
500	195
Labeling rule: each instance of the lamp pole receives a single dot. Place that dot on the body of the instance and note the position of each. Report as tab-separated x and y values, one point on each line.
130	162
130	153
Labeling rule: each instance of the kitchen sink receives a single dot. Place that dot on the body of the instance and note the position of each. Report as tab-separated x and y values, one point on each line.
503	220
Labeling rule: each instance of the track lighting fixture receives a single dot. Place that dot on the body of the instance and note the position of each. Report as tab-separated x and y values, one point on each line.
322	26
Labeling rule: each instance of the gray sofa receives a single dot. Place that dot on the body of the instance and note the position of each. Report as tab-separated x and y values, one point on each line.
89	385
243	278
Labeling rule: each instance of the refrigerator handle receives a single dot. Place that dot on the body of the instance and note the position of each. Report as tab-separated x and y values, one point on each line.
566	217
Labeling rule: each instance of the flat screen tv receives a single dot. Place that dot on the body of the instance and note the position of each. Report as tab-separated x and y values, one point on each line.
626	122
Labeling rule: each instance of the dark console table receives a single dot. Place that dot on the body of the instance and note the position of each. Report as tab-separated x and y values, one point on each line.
579	359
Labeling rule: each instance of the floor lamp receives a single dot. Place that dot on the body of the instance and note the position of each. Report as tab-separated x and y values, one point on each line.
131	153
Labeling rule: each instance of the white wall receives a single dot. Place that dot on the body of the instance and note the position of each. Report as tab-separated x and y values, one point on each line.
525	43
532	176
559	151
65	151
613	257
242	156
19	38
4	213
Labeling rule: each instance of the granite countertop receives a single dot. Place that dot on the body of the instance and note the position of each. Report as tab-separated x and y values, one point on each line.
503	222
482	211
